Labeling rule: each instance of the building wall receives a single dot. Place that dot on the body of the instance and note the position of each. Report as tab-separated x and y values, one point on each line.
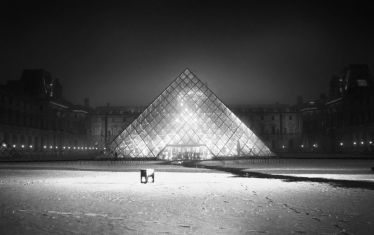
109	121
343	122
35	123
279	126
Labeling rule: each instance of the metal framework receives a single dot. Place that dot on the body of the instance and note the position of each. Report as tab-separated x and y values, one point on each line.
187	117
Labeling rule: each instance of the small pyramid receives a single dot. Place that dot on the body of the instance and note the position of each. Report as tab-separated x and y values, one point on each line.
187	121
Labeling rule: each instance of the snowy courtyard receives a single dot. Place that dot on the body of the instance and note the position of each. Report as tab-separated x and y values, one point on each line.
191	202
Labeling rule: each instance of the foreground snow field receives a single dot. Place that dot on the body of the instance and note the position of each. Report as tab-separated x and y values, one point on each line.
89	202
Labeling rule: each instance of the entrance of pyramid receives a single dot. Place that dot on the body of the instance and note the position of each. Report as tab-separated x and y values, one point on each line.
185	152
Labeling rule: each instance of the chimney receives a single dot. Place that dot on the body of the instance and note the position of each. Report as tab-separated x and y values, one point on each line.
322	97
87	102
299	100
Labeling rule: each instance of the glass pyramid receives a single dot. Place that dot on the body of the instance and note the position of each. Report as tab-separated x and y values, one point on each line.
187	120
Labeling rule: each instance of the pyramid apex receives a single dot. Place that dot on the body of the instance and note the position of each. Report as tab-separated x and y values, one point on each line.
187	71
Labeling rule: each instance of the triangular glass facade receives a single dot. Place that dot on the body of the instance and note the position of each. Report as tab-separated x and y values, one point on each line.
187	120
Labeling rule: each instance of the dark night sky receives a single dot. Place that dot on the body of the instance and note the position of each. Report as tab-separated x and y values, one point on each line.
127	54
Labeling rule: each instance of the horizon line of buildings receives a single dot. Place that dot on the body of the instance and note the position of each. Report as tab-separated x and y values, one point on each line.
35	117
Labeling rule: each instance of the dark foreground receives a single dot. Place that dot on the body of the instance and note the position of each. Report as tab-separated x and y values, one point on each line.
194	202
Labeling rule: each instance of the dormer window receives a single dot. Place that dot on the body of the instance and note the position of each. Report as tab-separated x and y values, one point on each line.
362	83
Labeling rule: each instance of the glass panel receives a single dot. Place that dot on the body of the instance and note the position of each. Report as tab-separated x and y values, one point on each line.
187	120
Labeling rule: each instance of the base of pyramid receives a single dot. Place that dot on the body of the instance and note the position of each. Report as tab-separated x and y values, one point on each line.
193	157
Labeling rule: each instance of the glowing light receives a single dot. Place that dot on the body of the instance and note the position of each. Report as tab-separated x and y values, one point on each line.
200	129
44	146
51	147
68	147
56	147
283	146
30	146
354	143
22	146
341	143
362	142
74	147
63	147
302	146
4	145
14	145
315	145
370	142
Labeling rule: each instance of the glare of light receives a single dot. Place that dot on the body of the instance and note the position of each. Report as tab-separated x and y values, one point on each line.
14	145
354	143
44	146
30	146
22	146
283	146
315	145
362	142
68	147
4	145
74	147
56	147
104	148
85	147
302	146
370	142
51	147
341	143
63	147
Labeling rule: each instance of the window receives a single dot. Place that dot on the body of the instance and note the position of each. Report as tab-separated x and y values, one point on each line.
262	129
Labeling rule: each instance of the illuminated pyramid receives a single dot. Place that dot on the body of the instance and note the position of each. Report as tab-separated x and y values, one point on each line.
187	121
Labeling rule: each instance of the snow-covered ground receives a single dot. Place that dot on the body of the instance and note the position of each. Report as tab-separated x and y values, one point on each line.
91	202
334	169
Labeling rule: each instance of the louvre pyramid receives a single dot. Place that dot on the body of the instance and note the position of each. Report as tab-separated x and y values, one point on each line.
187	114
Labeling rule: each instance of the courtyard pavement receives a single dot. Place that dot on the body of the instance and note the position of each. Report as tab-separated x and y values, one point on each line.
190	201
